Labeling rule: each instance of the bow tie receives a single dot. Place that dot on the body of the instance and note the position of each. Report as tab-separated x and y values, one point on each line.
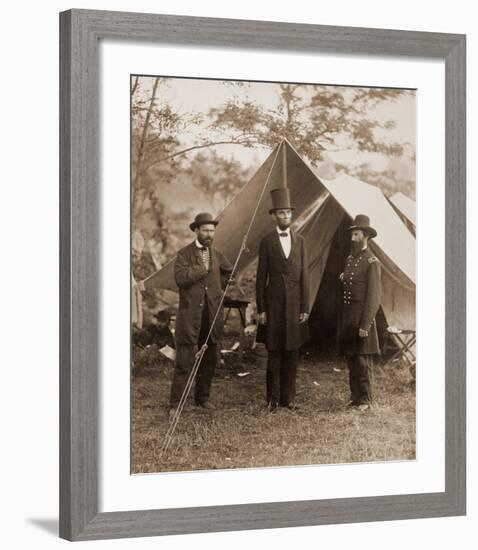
203	248
284	234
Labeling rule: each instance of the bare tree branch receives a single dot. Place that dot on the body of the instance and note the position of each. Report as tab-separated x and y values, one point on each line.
245	142
142	141
135	86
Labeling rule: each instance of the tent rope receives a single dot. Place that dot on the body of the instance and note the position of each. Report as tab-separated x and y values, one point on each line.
200	354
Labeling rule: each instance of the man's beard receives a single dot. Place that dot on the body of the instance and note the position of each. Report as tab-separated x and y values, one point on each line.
356	247
205	242
283	225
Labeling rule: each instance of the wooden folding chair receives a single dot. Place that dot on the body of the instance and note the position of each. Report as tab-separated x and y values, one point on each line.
405	340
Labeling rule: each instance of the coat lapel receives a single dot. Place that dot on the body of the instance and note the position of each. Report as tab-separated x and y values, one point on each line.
195	252
293	244
212	259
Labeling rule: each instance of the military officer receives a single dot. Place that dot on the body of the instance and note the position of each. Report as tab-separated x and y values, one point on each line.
361	300
282	291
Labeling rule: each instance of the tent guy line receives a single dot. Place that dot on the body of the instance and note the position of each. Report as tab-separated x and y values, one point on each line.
200	354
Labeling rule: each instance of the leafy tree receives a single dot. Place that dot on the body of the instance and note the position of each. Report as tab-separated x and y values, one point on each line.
154	134
389	180
217	177
155	126
317	120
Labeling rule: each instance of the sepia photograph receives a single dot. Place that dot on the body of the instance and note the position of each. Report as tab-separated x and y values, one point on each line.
273	274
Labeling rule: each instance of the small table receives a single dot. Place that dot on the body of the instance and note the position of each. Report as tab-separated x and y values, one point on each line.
240	305
405	339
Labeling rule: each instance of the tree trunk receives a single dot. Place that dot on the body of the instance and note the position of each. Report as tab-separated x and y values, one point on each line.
141	148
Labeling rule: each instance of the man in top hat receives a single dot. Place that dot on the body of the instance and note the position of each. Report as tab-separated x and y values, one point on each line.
201	273
282	289
362	296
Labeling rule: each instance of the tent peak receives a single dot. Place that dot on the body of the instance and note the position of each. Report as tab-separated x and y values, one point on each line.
285	141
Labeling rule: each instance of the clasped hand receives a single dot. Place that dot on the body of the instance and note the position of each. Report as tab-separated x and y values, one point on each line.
262	318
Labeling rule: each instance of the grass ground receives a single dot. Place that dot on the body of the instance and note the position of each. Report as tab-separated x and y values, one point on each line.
240	434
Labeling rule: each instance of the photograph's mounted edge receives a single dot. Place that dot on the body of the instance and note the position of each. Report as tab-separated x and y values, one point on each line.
80	31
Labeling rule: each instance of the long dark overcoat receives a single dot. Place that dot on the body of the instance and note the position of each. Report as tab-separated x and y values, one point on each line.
282	292
198	286
362	296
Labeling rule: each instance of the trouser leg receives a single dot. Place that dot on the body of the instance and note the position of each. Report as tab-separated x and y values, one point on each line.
353	378
205	374
208	363
273	377
182	368
288	375
364	378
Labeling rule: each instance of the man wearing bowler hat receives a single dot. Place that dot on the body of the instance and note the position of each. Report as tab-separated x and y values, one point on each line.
201	273
158	331
282	291
362	296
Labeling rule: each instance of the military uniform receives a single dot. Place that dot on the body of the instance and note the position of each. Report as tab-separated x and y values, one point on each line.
361	299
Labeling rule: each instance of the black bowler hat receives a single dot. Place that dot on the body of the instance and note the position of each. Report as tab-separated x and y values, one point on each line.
201	219
163	315
363	222
280	199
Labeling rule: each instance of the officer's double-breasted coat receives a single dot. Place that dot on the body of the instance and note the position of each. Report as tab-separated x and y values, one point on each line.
361	298
197	287
282	292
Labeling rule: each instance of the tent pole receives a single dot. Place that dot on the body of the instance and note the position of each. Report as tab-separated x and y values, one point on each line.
343	253
284	165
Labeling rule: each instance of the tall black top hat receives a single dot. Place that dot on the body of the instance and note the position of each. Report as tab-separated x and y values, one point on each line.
363	222
201	219
280	199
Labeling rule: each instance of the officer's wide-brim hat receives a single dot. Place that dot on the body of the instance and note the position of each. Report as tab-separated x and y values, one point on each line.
280	199
201	219
363	222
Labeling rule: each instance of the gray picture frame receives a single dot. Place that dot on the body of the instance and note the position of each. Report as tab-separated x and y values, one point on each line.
80	33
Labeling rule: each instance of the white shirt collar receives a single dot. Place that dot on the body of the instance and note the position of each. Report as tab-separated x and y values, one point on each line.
279	230
198	244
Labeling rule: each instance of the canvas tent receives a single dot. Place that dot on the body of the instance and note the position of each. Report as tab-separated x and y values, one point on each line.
324	229
323	210
282	163
406	209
